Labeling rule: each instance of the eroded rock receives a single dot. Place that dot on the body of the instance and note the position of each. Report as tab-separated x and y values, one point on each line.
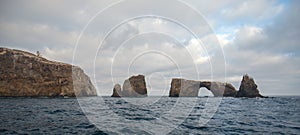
116	91
219	89
190	88
248	88
135	86
184	88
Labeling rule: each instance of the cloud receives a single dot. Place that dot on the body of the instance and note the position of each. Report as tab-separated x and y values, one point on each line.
255	51
253	9
250	37
34	36
258	37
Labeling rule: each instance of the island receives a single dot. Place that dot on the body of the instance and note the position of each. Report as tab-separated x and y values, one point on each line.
135	86
190	88
23	74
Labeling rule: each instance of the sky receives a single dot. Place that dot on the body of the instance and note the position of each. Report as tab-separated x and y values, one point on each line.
192	39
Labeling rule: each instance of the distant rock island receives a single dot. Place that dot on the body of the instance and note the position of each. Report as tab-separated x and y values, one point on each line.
189	88
248	88
23	74
135	86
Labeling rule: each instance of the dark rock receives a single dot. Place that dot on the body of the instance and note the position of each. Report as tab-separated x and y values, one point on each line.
116	91
135	86
25	74
230	91
248	88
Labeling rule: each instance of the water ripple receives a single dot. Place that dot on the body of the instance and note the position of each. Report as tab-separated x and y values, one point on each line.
278	115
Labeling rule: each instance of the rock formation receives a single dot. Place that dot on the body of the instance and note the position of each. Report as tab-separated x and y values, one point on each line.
116	91
26	74
219	89
135	86
248	88
184	88
190	88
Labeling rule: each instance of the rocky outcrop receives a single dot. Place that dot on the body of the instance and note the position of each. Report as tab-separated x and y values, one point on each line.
219	89
116	91
248	88
26	74
184	88
190	88
135	86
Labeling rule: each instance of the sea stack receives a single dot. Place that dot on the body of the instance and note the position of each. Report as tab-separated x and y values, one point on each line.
23	74
248	88
116	91
135	86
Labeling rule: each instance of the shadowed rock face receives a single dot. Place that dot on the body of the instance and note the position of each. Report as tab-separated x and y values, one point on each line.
135	86
190	88
116	91
248	88
25	74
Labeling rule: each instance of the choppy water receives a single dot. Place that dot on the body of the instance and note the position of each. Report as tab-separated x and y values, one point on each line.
153	115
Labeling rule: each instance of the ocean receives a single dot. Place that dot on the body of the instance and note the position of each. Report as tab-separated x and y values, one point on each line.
151	115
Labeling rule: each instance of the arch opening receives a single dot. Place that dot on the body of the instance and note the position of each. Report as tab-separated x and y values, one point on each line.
204	92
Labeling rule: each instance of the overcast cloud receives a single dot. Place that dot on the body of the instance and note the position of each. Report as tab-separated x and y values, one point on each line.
231	38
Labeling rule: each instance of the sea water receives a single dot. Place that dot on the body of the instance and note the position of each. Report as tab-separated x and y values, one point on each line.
151	115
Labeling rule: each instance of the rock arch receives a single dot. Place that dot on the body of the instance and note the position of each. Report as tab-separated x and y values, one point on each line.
190	88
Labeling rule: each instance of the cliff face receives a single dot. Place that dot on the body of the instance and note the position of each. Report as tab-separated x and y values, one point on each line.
25	74
248	88
184	88
135	86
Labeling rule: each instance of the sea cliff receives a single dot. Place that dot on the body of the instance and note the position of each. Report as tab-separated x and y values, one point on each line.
23	74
